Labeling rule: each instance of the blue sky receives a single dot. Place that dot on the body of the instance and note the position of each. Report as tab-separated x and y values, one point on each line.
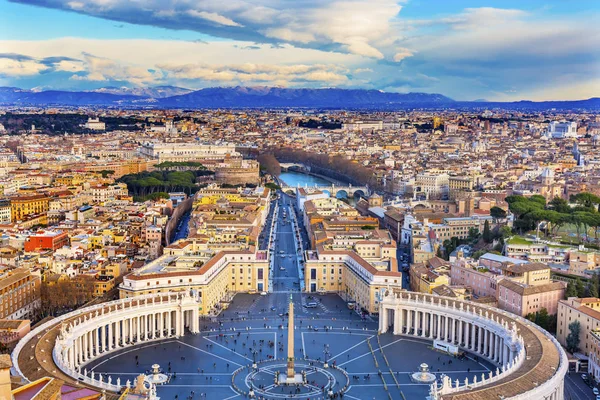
497	50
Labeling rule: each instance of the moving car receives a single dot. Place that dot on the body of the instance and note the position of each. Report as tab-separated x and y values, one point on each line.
312	304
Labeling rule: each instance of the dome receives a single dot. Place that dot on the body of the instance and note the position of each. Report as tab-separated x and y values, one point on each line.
548	173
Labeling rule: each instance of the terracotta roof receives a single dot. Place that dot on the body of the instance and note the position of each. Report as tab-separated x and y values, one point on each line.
526	290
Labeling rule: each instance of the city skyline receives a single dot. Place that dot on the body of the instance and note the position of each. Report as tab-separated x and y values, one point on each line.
466	50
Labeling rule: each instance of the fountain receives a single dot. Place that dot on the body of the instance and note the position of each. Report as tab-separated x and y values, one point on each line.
423	376
156	378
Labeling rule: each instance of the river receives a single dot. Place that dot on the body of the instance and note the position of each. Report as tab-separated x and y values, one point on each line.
293	179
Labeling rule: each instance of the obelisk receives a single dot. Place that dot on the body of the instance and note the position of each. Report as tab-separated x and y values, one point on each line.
290	363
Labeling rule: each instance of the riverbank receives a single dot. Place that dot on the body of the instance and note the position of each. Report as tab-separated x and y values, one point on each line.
302	178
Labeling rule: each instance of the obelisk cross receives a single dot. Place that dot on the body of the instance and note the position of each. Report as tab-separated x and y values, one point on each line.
290	363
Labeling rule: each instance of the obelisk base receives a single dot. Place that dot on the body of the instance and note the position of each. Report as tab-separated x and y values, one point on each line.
296	379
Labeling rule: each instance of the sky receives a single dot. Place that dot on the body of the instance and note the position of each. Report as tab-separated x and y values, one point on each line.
466	49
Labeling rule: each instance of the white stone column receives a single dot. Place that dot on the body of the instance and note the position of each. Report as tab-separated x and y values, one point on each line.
448	325
409	325
505	357
178	331
84	346
71	357
480	339
486	347
169	323
438	331
453	331
138	321
145	327
103	346
383	320
110	336
467	332
460	332
76	352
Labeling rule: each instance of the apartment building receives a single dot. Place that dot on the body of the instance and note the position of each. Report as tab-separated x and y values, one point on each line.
25	205
522	299
19	294
587	312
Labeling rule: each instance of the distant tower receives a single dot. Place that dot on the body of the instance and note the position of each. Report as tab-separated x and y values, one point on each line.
375	200
547	176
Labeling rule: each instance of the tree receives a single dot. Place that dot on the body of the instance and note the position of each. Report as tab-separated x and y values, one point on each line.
497	213
573	337
560	205
580	288
505	232
473	233
593	289
571	290
487	233
270	164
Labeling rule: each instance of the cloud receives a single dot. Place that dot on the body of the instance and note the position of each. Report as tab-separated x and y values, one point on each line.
402	53
21	65
213	17
256	73
101	69
361	27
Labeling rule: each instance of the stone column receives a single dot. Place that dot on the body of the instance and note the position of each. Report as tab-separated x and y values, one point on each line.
84	347
467	331
103	338
460	332
383	320
438	323
480	339
178	330
138	331
486	347
453	331
110	336
145	327
72	357
169	323
505	355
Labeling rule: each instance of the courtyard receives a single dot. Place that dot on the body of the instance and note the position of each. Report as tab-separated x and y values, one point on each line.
217	363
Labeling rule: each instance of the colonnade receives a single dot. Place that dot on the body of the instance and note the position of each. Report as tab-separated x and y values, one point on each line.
95	331
491	333
112	335
485	339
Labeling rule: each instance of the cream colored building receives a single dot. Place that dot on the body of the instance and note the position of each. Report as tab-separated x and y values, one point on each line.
350	276
587	312
215	279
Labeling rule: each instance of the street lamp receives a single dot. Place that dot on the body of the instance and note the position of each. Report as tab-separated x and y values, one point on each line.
327	354
254	352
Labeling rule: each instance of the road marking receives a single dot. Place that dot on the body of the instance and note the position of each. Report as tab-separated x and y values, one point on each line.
357	344
227	348
211	354
303	345
377	349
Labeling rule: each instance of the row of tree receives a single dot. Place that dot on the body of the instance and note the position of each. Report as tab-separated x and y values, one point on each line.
146	183
531	212
336	167
269	164
65	295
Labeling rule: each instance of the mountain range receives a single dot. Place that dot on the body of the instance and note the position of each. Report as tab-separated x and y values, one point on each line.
262	97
